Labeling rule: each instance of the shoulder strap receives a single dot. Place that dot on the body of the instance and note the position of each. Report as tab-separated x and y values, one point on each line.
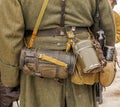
62	21
97	15
38	22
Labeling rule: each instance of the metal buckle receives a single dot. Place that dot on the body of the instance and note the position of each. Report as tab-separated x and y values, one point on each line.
70	32
62	33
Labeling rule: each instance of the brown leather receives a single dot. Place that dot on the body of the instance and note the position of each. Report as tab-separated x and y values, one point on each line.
62	21
55	31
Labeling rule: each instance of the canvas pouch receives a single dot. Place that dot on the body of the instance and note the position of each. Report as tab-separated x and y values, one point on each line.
47	63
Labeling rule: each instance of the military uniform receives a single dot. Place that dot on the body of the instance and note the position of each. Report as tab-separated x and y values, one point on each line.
117	20
16	17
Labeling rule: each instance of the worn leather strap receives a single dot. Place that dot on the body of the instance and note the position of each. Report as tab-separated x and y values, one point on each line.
55	31
62	21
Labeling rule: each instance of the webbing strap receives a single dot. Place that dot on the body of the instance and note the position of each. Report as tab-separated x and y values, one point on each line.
98	13
52	60
62	13
38	22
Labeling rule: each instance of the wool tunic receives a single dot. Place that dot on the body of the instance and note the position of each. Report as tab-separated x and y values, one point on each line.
17	16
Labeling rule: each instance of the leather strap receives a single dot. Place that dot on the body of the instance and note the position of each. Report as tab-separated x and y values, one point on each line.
55	31
62	13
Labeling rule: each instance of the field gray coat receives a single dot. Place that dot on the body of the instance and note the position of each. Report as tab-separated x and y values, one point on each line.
16	16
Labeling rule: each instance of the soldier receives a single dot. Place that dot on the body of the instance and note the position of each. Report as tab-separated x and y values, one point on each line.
18	18
116	7
116	11
113	3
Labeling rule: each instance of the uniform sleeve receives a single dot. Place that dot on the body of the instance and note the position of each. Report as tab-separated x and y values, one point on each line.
107	22
117	23
11	41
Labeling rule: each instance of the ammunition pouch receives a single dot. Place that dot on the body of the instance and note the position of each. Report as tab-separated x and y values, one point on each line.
47	63
87	56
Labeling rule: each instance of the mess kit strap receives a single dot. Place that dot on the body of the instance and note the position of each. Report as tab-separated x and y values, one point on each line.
38	22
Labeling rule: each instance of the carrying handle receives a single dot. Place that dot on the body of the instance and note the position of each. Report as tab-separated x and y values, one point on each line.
38	22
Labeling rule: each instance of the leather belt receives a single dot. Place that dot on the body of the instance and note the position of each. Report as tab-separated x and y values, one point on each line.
57	31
